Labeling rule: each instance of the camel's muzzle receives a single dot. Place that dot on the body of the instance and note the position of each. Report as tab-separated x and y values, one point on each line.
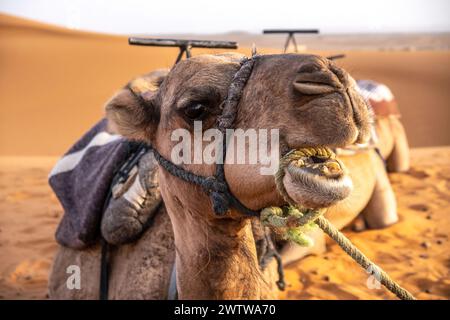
314	178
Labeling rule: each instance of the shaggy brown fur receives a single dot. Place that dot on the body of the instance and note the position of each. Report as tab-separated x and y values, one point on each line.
140	270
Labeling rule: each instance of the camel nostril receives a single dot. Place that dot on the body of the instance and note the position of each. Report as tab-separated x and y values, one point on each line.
314	83
314	79
311	88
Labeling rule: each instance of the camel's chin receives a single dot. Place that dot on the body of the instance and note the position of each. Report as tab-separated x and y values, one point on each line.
317	182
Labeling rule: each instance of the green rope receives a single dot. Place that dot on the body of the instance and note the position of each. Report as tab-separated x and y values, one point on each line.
293	222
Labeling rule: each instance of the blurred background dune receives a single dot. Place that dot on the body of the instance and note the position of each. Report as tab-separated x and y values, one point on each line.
55	81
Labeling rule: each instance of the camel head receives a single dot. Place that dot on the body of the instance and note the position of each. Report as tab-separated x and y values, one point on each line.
310	101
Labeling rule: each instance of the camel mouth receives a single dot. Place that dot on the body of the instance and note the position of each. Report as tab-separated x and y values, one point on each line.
315	178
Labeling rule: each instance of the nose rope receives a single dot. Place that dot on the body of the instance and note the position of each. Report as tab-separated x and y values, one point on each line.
294	221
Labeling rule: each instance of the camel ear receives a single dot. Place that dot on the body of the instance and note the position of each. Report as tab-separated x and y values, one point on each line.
132	112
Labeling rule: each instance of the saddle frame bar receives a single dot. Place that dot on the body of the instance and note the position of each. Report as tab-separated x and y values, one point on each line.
185	46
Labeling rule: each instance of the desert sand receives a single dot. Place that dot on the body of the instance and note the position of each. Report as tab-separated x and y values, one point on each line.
415	252
55	81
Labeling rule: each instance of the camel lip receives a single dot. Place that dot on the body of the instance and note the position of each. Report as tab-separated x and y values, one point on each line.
317	166
314	177
320	161
317	172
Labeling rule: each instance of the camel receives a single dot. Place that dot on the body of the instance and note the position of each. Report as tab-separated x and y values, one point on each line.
392	142
311	101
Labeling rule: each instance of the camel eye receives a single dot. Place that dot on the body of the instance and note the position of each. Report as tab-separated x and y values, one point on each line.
195	111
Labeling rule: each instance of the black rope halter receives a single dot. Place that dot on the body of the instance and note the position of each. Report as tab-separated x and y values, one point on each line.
216	186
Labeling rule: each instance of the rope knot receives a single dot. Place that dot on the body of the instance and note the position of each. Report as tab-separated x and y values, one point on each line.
292	223
220	203
211	184
217	191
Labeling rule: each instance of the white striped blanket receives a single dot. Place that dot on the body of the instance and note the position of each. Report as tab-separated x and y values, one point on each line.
81	180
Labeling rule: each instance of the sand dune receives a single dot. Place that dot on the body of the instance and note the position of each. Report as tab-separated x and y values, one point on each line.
54	82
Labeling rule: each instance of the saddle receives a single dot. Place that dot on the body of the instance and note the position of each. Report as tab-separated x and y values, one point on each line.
379	97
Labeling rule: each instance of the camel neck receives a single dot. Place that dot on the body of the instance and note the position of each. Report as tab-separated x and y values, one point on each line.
215	258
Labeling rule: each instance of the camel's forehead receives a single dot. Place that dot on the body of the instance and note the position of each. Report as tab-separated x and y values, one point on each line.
293	62
202	64
217	70
203	70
